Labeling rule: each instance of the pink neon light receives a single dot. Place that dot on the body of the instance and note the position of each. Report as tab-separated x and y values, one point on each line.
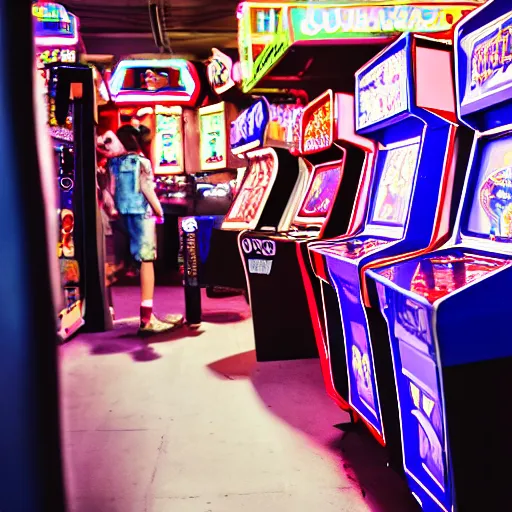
56	41
150	98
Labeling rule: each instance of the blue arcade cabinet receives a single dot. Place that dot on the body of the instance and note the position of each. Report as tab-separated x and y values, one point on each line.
405	102
446	310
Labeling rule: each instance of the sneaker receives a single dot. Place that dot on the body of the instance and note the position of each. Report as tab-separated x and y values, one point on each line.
155	326
175	320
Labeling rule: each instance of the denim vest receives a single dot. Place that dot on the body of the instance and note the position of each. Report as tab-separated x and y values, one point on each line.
128	195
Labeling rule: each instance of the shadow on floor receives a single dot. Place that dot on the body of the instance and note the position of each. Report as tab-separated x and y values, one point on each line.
294	392
124	340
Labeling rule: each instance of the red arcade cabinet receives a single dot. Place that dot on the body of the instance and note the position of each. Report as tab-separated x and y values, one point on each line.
284	294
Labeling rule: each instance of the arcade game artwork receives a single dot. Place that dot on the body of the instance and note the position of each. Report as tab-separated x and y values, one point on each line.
321	193
255	189
395	187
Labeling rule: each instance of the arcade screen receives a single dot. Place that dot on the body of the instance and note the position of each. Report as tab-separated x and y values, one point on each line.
395	185
146	78
168	143
491	206
213	140
322	191
254	190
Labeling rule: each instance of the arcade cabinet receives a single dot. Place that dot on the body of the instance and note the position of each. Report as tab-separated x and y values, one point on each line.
214	191
446	309
269	180
31	477
284	301
405	103
71	118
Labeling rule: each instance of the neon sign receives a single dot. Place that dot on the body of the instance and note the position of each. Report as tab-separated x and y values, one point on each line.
379	21
381	91
248	130
219	72
318	125
491	56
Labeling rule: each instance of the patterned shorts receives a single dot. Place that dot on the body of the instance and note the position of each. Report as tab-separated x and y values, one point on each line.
142	232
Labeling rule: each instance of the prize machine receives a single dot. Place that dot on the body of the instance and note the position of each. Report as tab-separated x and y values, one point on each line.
71	117
282	44
405	102
271	175
283	290
446	309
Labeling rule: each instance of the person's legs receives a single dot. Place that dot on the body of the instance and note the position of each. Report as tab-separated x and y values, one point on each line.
143	249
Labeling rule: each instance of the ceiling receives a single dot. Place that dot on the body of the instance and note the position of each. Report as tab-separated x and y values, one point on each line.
122	27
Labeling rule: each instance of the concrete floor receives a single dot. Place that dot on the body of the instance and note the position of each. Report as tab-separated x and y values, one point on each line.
193	424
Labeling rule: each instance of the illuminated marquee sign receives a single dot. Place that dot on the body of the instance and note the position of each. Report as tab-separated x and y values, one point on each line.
381	91
219	72
317	22
248	130
266	60
317	130
491	58
53	25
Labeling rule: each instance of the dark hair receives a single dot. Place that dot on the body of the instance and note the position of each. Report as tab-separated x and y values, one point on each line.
130	138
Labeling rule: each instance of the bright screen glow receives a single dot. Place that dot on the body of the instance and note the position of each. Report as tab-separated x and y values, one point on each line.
254	191
213	140
169	144
322	192
395	185
491	207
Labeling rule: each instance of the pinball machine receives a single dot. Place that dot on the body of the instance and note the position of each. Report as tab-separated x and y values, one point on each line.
446	309
405	103
71	107
285	300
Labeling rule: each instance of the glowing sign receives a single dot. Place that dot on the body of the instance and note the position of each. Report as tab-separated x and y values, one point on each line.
283	119
248	130
168	144
53	25
489	53
381	90
50	12
56	55
212	131
395	185
219	72
319	22
147	81
318	125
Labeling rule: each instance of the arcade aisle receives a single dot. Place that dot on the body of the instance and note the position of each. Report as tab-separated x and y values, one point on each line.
194	424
